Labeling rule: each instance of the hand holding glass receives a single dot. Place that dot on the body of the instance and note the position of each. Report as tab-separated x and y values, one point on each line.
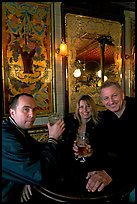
84	149
53	118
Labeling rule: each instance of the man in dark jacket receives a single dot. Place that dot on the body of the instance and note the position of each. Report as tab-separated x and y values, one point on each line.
116	139
24	160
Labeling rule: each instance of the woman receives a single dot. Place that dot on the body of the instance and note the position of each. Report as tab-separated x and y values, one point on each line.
86	111
87	116
85	119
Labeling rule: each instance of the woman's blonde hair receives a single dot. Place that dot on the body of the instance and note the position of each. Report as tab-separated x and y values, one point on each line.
90	102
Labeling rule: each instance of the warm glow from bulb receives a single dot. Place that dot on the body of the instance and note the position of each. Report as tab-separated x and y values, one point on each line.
99	83
99	73
105	78
77	73
63	49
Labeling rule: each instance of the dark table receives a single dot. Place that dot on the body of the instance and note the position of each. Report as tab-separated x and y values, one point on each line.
70	187
113	197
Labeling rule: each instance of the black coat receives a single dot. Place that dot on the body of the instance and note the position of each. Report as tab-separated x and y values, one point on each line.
24	161
118	139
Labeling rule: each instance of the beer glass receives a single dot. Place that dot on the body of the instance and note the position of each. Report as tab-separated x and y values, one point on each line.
53	118
84	150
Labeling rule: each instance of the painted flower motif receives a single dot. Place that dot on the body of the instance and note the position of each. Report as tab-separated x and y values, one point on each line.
31	45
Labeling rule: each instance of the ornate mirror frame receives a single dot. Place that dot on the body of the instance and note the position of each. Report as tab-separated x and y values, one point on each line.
83	32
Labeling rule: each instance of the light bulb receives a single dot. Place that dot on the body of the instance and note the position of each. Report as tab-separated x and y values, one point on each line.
77	73
63	49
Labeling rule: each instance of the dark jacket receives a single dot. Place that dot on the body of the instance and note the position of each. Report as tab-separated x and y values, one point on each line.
118	139
24	161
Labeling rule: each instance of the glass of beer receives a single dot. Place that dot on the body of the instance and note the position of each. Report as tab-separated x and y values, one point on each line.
84	149
53	118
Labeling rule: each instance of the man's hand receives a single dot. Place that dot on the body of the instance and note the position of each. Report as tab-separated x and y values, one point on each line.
97	180
26	193
57	129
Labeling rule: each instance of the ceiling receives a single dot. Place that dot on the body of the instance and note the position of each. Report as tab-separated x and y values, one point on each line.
93	53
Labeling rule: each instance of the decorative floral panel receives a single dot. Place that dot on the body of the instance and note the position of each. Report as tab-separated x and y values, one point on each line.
26	53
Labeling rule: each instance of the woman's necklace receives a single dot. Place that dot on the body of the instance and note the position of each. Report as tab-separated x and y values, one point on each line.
82	127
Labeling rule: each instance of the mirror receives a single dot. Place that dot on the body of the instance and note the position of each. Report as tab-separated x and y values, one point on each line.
94	55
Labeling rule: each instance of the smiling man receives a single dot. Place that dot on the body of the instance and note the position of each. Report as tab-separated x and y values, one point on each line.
116	138
113	97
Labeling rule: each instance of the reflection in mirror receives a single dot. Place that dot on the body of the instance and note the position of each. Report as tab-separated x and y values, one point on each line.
94	55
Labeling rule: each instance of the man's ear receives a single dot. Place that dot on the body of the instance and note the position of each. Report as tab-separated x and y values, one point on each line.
123	94
12	112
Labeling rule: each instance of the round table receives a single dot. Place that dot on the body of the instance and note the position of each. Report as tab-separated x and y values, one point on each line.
68	184
45	194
